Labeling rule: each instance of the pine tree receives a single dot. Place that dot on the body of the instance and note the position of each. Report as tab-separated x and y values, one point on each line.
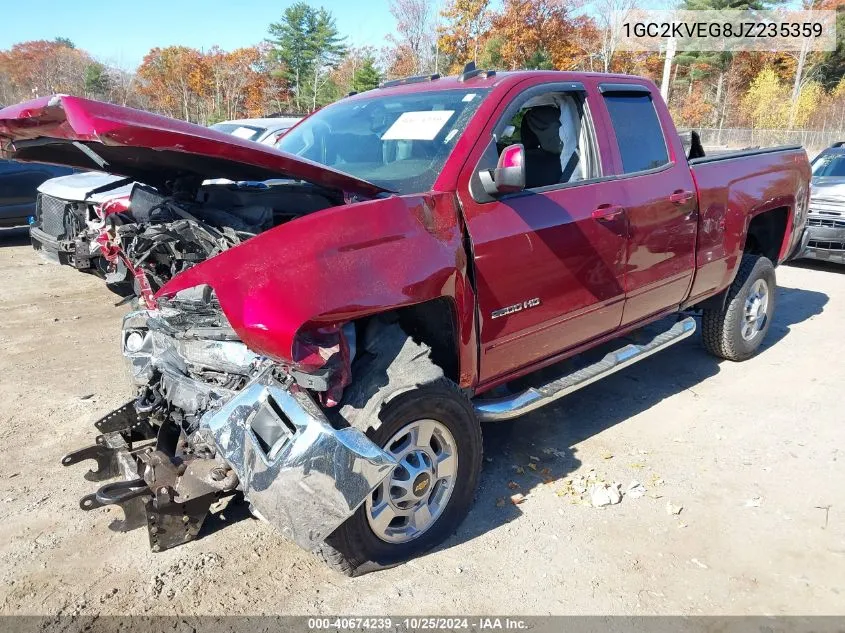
307	44
366	77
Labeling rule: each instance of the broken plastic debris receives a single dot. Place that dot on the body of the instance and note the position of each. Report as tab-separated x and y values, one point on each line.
754	502
635	490
605	495
671	508
697	562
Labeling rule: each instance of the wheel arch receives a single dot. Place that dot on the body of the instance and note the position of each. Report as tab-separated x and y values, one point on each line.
767	233
434	323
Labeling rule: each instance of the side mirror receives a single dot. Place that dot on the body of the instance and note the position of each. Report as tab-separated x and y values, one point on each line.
509	174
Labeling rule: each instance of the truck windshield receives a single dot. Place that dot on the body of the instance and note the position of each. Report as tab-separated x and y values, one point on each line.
399	142
829	166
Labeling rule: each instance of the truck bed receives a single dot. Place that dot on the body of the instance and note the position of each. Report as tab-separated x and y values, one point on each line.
733	188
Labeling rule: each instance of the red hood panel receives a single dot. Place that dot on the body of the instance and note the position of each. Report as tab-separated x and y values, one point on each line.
149	148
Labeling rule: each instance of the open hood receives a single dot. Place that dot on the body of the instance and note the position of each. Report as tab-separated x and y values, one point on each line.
149	148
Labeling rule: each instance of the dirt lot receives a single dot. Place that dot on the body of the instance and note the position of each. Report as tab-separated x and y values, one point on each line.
754	452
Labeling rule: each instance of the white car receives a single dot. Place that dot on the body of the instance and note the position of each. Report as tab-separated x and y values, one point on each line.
267	131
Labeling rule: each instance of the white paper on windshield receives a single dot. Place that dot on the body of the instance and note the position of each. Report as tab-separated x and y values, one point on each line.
243	132
417	126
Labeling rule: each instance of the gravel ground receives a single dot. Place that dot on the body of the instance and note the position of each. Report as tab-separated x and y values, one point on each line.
752	452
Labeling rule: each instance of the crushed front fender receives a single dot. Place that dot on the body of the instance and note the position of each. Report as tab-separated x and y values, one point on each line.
298	472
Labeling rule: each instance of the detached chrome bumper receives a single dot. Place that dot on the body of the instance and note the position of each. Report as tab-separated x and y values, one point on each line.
269	439
300	474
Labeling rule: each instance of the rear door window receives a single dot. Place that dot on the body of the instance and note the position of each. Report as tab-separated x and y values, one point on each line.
638	131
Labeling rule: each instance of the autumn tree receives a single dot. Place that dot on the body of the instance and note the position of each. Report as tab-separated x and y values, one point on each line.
693	111
175	79
237	82
763	103
415	33
398	61
717	64
41	67
610	14
460	38
537	34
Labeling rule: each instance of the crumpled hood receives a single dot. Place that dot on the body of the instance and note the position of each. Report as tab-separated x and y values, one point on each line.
153	149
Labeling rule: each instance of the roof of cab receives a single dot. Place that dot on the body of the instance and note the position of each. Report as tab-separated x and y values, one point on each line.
486	80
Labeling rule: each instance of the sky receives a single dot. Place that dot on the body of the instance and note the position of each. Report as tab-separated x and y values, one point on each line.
120	32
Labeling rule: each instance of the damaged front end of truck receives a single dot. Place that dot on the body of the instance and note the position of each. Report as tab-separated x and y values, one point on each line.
213	418
246	343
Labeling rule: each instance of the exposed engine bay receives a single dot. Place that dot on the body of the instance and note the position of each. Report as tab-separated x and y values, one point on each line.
156	237
130	232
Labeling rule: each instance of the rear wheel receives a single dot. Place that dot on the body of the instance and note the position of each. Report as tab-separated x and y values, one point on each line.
736	330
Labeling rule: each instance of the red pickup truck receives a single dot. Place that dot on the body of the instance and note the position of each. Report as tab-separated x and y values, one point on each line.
473	247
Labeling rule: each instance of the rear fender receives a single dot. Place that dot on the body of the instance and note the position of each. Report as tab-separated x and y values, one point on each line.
732	193
339	265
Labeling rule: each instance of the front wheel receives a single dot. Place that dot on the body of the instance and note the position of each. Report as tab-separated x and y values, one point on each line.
433	434
736	330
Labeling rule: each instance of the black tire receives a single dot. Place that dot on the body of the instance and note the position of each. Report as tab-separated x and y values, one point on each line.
721	329
353	548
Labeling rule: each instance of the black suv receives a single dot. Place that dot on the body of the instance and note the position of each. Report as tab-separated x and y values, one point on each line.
19	183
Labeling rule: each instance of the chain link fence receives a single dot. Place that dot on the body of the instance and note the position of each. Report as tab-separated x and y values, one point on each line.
736	138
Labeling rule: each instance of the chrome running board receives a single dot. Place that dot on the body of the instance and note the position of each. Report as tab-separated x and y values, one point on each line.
509	407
